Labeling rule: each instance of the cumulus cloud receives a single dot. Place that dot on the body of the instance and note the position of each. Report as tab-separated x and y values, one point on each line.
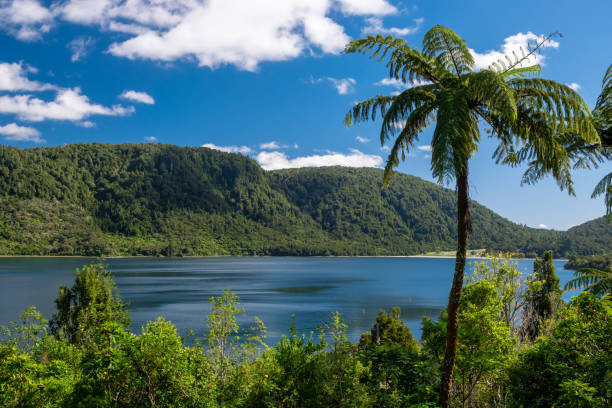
80	47
150	139
270	145
15	133
543	226
279	160
136	96
229	149
14	77
343	85
375	26
574	85
362	139
69	104
511	44
242	33
27	20
425	148
400	85
367	7
86	124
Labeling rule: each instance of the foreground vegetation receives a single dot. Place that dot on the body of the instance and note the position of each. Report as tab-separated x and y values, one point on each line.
519	346
153	199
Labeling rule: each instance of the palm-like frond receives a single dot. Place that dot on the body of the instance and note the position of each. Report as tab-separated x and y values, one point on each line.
595	281
604	187
448	49
402	106
404	62
536	121
419	119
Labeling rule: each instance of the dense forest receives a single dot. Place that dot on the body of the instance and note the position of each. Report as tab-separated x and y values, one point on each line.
154	199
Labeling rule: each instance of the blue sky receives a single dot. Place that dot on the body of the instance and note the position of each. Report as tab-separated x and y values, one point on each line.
267	78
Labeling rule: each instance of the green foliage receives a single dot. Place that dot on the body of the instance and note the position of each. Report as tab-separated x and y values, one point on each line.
92	301
543	298
390	329
533	119
602	118
573	366
163	200
485	342
598	282
601	262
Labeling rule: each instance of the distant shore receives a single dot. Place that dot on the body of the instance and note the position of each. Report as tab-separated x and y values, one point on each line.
424	256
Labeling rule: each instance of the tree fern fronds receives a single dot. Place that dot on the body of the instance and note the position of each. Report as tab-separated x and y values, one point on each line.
402	105
419	119
522	72
402	58
448	49
604	187
532	50
366	110
595	281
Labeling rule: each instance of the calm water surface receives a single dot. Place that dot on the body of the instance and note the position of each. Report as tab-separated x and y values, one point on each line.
272	288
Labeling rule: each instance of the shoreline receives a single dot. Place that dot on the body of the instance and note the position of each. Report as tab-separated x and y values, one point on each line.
424	256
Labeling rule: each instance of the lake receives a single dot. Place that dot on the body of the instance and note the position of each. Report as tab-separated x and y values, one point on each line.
272	288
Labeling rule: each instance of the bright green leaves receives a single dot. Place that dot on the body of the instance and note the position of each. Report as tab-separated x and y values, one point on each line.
598	282
448	49
537	121
404	62
92	301
455	137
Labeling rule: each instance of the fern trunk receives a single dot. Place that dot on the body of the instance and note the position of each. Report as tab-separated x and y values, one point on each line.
463	228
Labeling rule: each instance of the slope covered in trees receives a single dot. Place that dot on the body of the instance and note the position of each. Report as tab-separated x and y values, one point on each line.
153	199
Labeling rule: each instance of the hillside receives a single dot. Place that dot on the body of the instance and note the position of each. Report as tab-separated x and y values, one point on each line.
153	199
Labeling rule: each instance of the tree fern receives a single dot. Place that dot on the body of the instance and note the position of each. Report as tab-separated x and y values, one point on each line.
595	281
535	121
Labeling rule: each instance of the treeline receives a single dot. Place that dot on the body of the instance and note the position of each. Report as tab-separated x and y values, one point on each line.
601	262
519	345
153	199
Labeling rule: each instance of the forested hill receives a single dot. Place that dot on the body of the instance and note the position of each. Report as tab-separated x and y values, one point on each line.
153	199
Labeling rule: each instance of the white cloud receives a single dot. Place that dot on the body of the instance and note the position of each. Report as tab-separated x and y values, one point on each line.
343	85
242	33
401	85
269	145
279	160
367	7
375	26
513	43
80	47
425	148
86	124
362	139
14	132
27	20
14	77
385	148
136	96
574	85
69	104
229	149
543	226
150	139
427	156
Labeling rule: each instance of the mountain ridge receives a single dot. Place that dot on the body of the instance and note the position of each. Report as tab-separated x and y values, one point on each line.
156	199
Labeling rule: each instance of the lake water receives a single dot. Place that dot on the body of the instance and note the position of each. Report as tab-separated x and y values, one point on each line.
272	288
